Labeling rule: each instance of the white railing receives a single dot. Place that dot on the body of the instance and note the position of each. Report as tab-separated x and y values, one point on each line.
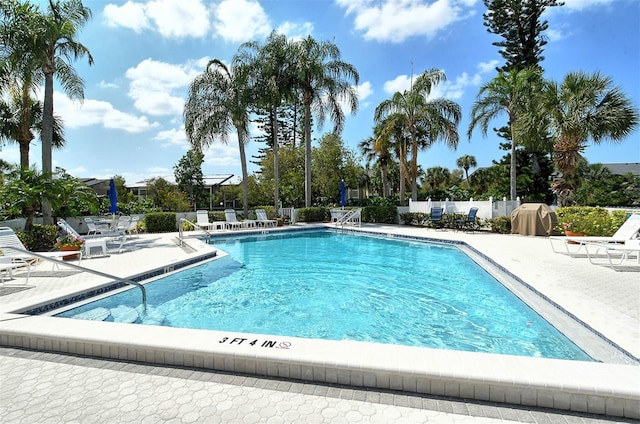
486	208
352	216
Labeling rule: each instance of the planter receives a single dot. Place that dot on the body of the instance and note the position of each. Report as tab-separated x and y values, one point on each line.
70	249
572	234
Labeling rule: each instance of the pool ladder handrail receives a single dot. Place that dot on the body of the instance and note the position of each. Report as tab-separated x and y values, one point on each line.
84	269
354	215
181	229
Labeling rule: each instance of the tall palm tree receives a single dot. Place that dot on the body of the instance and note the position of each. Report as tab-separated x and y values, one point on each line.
426	120
466	162
377	148
584	107
271	65
437	176
510	94
218	100
392	132
324	80
57	42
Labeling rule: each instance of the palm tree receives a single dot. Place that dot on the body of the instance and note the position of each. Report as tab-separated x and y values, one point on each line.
323	80
57	42
437	176
511	94
272	84
583	107
426	121
218	100
466	162
378	148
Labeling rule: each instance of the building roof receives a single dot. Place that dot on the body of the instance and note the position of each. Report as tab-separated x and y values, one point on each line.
209	180
623	168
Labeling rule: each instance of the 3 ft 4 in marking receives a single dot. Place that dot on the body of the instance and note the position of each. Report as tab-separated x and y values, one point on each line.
274	344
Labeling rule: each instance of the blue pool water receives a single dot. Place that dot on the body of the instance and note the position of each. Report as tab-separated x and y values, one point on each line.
333	286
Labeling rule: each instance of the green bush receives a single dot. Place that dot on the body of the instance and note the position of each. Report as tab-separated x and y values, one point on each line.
380	214
501	224
41	238
588	220
316	214
414	218
160	222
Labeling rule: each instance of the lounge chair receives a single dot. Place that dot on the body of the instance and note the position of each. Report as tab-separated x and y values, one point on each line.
469	223
8	264
262	219
232	220
8	238
95	241
435	217
627	231
202	220
616	253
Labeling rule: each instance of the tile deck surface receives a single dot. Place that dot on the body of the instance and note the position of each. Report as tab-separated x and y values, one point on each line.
32	389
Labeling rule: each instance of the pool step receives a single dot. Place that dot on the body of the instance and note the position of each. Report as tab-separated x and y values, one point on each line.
97	314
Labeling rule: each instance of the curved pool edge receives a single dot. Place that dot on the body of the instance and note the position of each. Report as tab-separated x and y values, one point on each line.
587	387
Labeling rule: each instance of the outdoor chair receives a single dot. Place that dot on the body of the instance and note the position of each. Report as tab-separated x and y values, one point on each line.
261	219
8	264
616	253
435	217
8	238
232	220
629	230
468	223
94	241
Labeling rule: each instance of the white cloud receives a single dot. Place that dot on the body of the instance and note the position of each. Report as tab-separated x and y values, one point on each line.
295	31
400	83
179	18
223	154
171	18
241	20
555	34
486	67
97	112
130	15
173	137
364	90
397	20
158	88
584	4
450	89
104	84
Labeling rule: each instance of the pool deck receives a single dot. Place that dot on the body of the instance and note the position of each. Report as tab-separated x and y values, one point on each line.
606	300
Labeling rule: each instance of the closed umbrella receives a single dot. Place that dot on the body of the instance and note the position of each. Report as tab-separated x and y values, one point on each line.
343	194
113	197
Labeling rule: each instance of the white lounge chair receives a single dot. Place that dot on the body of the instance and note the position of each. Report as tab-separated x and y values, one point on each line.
95	241
262	219
616	253
202	219
8	238
8	264
233	223
627	231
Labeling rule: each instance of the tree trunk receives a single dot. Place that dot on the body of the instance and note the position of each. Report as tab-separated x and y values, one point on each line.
384	170
243	164
512	171
47	138
414	168
276	162
307	153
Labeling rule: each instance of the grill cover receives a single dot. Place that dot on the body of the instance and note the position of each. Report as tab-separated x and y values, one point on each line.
533	219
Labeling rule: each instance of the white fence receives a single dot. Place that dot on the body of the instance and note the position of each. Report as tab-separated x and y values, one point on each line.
486	208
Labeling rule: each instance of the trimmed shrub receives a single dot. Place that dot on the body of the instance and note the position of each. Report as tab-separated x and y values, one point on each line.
40	239
160	222
501	224
380	214
414	218
316	214
588	220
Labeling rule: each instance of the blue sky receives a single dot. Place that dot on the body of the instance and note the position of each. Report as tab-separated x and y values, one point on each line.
147	52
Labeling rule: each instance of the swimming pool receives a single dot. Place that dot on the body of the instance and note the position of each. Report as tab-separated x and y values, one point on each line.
326	285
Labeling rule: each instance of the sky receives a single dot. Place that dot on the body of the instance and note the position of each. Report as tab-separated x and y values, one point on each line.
147	52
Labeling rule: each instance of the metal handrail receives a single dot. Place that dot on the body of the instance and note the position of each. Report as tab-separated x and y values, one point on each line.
348	216
81	268
180	229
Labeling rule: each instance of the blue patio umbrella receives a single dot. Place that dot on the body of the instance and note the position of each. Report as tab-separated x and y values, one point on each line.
113	197
343	194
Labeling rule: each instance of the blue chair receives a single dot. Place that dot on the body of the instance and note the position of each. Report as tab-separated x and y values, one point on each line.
435	217
468	223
